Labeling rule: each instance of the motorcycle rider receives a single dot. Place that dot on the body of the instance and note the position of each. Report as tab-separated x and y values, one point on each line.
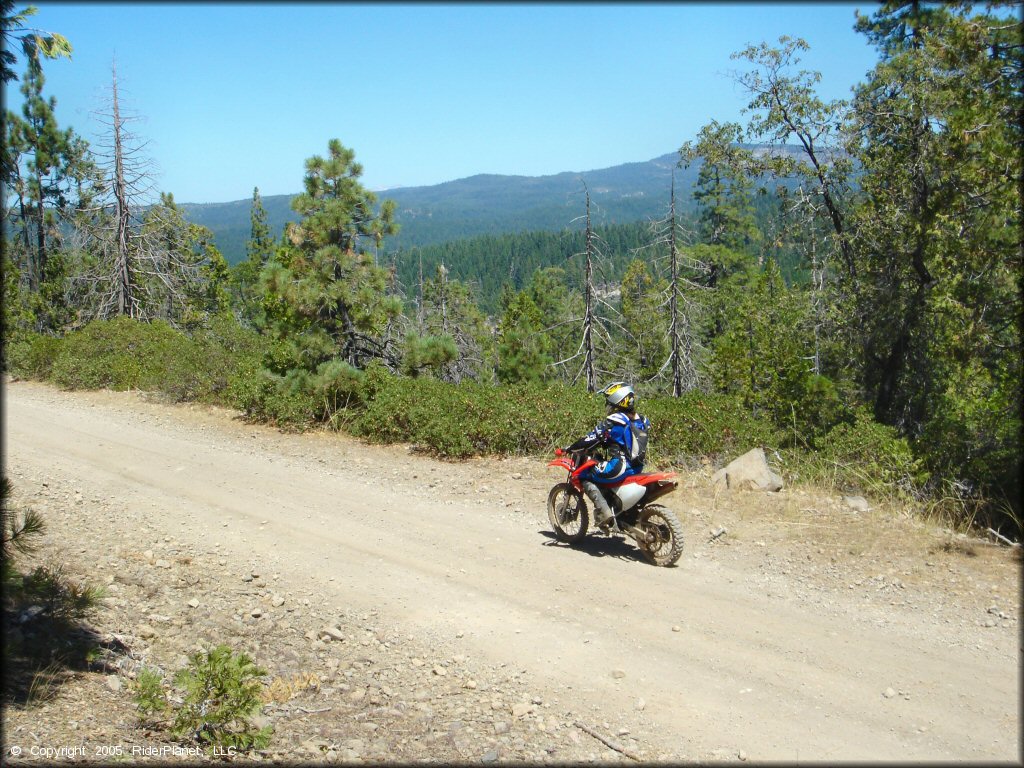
623	434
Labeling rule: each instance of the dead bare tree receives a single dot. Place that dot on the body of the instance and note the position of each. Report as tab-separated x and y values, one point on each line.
803	218
682	308
594	323
588	303
446	308
110	231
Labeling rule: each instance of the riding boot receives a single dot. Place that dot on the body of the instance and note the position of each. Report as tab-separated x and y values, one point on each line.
602	512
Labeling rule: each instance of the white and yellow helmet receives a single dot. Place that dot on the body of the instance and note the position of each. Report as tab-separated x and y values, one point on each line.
619	395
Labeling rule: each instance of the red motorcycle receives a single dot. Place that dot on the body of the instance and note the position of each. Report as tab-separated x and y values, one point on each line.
655	529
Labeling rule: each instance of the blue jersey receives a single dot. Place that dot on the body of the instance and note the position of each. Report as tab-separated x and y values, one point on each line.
626	438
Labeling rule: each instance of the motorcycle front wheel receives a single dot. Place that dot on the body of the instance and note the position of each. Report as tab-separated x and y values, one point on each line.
567	513
664	544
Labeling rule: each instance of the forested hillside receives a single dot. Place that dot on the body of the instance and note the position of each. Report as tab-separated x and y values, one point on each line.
489	204
485	204
838	281
490	264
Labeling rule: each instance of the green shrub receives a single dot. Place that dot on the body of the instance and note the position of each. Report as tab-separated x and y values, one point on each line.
417	410
815	405
118	354
864	455
219	692
973	441
31	356
264	397
207	366
697	424
150	698
123	353
472	418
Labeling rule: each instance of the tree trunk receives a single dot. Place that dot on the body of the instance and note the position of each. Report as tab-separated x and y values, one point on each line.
126	299
588	318
673	332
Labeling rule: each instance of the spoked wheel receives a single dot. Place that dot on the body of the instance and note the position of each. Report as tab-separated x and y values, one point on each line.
567	513
664	532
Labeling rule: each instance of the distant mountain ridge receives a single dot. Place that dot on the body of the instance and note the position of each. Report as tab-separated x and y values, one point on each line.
483	204
490	204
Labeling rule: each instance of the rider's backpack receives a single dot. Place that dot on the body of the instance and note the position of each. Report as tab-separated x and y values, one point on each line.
638	453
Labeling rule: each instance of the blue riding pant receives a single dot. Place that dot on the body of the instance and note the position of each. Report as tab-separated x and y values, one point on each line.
607	472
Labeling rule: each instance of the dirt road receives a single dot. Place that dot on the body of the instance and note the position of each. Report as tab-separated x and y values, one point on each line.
800	635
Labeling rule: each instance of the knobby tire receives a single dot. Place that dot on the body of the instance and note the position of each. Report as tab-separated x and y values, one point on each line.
567	513
666	545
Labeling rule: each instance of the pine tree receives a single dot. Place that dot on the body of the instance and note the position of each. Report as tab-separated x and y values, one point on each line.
246	274
33	42
260	246
331	309
812	168
45	148
123	264
723	189
786	110
644	319
680	304
760	353
560	310
523	347
215	282
598	314
45	170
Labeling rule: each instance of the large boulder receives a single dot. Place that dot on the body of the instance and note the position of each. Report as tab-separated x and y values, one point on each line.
750	472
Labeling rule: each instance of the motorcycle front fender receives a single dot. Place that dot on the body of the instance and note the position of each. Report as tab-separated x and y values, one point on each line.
564	463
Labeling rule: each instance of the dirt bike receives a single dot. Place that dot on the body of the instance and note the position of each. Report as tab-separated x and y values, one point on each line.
655	529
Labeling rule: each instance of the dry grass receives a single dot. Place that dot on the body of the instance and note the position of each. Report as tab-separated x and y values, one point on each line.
815	524
282	689
44	684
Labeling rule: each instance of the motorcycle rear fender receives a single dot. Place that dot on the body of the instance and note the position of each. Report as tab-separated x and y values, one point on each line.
657	484
654	477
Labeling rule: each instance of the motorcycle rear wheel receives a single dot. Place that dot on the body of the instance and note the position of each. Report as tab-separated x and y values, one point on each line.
567	513
665	535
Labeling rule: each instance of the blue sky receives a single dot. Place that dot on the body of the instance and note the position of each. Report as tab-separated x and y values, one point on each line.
236	96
